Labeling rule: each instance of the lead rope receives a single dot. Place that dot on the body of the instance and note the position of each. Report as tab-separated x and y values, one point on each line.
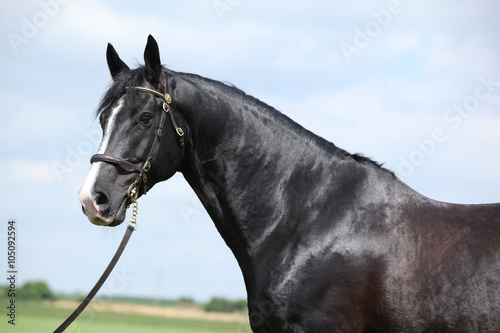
132	194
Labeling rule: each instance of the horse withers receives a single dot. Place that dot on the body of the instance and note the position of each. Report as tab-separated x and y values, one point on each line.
327	241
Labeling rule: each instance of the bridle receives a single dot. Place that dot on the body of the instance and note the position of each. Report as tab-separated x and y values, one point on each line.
146	165
133	190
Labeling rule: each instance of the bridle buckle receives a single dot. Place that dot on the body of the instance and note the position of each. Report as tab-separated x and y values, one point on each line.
168	98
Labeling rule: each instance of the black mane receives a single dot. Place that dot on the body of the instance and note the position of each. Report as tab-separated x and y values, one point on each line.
229	87
136	77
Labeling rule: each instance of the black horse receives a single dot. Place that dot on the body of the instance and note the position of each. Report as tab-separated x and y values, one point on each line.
327	241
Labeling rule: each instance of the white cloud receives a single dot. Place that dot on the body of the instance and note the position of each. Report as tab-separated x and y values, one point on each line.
485	129
400	42
92	21
472	53
37	124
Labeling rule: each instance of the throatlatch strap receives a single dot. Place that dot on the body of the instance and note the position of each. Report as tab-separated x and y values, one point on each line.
98	285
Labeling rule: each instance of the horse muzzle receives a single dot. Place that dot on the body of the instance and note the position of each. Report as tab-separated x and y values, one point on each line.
93	205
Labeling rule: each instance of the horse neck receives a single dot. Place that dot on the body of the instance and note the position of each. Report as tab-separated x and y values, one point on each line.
249	165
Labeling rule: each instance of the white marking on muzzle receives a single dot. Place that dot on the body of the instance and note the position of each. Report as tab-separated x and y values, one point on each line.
87	194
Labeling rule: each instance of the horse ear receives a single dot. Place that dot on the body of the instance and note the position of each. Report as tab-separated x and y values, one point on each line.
115	64
152	60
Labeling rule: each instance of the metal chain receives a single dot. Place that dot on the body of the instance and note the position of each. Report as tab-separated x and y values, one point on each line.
133	219
133	193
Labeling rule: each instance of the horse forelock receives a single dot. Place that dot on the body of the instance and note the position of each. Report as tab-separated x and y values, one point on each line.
127	78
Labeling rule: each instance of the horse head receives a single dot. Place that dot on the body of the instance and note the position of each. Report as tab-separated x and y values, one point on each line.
139	147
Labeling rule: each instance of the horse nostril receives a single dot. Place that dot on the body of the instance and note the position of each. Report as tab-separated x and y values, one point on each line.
101	199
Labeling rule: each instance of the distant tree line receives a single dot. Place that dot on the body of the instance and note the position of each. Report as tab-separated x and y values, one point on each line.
39	290
35	290
219	304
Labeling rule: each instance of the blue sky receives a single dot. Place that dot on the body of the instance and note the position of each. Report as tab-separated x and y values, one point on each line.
414	85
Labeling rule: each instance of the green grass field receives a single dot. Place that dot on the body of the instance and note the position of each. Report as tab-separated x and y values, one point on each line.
35	317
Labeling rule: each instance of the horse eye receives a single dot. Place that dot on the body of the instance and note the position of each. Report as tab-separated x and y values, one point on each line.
145	119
